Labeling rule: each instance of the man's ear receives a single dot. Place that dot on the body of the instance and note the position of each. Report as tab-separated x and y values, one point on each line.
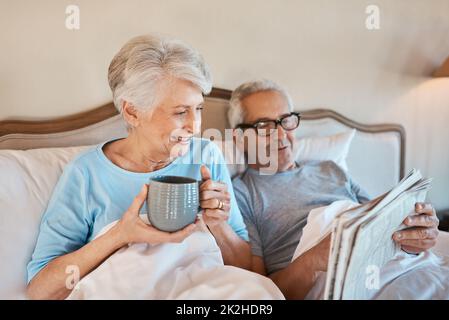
130	113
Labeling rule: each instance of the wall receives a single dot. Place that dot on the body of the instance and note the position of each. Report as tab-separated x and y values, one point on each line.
319	50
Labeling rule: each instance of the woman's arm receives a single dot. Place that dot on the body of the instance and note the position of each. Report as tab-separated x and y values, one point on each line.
52	281
235	250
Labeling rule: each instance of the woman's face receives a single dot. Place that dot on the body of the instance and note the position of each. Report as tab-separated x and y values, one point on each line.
169	127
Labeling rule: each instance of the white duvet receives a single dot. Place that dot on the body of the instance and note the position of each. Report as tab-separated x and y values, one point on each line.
423	276
192	269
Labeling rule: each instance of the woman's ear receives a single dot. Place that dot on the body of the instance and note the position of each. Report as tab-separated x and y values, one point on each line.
130	114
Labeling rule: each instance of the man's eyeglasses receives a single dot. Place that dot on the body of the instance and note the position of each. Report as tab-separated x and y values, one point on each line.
265	127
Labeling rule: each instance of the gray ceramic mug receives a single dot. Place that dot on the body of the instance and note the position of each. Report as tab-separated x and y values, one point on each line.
173	202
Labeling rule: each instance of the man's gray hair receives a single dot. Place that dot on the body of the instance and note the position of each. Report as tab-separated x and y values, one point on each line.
236	113
136	71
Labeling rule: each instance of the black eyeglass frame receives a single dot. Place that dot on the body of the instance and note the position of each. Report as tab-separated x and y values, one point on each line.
276	123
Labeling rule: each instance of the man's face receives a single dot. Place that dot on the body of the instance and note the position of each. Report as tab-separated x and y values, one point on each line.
270	105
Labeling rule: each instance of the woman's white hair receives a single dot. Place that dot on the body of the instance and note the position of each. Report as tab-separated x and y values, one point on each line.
236	113
137	70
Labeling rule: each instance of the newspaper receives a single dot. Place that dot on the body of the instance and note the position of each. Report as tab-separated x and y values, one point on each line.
361	240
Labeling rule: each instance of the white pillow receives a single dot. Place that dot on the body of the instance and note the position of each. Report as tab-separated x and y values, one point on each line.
27	182
334	148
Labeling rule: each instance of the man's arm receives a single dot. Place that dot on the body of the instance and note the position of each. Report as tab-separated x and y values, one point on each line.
297	279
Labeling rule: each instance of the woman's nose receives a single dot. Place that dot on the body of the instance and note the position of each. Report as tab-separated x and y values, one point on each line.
193	123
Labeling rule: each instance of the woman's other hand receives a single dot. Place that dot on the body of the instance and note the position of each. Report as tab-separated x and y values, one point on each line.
132	229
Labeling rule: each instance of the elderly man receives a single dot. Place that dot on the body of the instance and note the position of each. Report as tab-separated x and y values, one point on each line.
275	206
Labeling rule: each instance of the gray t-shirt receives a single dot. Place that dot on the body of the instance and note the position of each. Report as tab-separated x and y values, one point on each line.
275	207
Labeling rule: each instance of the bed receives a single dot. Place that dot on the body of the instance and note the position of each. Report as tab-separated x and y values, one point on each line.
33	154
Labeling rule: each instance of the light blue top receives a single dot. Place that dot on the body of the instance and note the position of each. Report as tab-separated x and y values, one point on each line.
93	192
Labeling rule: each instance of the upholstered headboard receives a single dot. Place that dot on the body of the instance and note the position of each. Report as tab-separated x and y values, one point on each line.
375	159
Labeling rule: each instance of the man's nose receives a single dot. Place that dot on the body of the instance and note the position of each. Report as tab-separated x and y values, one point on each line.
281	133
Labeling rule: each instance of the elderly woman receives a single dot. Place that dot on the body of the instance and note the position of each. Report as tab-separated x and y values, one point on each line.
158	86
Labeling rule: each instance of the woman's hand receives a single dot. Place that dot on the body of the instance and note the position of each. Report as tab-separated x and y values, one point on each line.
215	200
50	282
132	229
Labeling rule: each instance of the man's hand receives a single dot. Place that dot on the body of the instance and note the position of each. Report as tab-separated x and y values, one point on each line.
423	230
